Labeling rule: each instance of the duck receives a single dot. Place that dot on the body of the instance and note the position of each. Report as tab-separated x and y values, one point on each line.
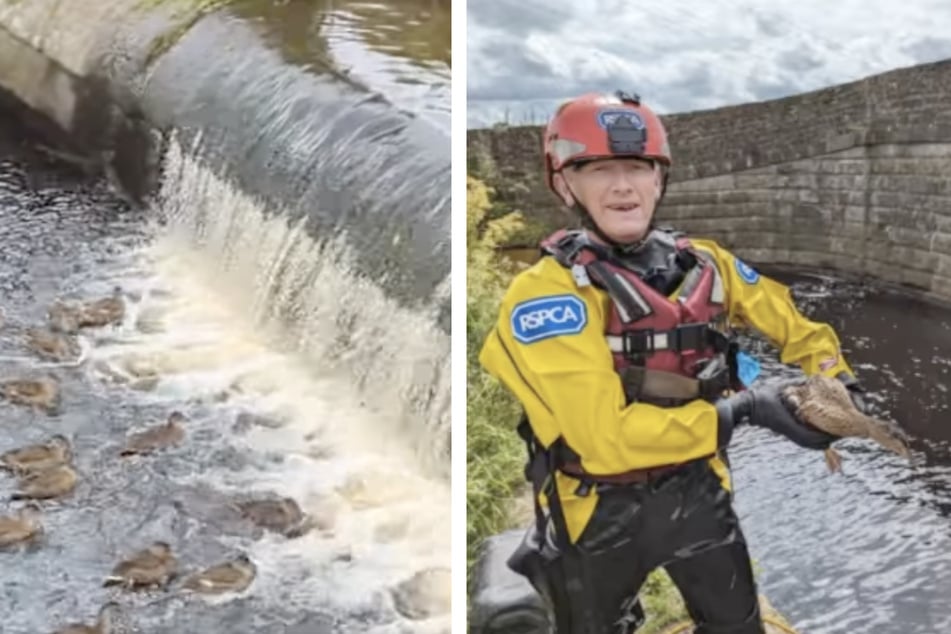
64	316
282	515
53	345
102	312
105	622
54	452
152	566
159	437
41	393
824	402
231	576
22	527
47	484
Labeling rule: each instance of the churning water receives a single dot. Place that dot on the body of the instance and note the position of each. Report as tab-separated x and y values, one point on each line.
297	379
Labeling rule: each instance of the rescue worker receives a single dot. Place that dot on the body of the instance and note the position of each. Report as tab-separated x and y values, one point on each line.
620	345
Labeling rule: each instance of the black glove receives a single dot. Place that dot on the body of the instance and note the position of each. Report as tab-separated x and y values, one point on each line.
856	391
764	406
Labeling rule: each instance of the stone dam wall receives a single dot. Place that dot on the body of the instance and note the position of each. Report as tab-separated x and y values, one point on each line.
852	178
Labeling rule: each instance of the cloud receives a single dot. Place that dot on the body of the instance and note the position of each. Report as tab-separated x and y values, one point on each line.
526	57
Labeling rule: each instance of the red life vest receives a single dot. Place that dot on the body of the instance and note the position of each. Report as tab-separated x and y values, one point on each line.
667	352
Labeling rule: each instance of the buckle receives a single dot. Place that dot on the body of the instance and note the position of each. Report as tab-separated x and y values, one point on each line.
690	337
713	387
638	342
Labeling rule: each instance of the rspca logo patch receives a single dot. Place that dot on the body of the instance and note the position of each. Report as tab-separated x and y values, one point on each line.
612	117
547	317
747	272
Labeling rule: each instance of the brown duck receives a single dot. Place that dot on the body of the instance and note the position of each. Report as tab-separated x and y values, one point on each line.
231	576
825	403
63	316
153	566
19	528
69	316
282	515
105	623
38	393
158	437
102	312
53	345
54	452
48	484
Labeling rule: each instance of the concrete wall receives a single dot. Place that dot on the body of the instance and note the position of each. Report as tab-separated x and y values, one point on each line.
110	80
855	178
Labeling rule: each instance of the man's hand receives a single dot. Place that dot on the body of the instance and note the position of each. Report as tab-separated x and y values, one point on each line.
764	406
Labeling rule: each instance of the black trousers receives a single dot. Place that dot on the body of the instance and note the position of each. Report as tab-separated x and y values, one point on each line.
684	522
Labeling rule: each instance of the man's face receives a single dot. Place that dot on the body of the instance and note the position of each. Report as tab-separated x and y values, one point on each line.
620	195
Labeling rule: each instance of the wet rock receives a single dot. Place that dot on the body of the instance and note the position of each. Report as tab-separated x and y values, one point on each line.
424	595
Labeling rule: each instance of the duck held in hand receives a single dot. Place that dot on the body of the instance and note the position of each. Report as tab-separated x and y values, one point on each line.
825	403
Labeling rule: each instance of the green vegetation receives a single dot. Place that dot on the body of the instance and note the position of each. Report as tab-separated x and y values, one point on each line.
495	455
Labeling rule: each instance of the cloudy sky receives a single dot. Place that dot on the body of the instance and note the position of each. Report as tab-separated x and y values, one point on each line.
526	56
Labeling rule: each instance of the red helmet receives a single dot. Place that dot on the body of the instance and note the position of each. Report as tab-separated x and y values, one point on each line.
598	126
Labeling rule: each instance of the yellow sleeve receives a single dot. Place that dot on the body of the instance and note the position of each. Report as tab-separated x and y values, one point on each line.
548	349
766	305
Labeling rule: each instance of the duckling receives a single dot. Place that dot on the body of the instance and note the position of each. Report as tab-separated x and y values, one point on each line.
38	393
54	452
231	576
105	623
158	437
45	485
64	316
102	312
825	403
22	527
152	566
52	345
282	515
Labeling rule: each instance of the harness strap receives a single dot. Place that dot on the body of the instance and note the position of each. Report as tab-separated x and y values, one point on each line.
669	389
540	470
678	339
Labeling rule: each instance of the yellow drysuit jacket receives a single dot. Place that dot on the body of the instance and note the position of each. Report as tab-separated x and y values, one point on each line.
548	348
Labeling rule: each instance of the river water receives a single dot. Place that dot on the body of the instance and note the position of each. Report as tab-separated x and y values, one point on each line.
251	329
868	550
